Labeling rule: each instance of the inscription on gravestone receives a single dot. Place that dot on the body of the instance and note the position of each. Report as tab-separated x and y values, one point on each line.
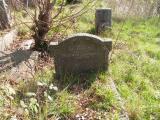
80	53
103	19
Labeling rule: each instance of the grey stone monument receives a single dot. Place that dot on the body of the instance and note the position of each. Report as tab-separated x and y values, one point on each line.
103	19
4	15
80	53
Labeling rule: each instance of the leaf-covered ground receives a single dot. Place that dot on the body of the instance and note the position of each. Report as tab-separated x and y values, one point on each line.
134	67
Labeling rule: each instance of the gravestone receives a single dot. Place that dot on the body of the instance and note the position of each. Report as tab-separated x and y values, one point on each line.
103	19
81	53
4	15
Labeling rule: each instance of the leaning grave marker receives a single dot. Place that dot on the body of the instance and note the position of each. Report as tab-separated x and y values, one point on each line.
80	53
103	19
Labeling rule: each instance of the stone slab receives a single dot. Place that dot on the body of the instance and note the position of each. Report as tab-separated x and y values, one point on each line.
123	113
20	63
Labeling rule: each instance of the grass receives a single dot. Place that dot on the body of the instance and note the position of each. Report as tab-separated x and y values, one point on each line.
134	67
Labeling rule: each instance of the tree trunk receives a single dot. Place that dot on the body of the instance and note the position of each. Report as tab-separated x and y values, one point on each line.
4	15
42	26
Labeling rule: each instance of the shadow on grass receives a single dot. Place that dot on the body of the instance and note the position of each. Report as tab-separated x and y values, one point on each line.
107	32
92	31
76	83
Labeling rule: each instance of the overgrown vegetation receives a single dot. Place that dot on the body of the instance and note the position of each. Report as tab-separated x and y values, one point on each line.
134	67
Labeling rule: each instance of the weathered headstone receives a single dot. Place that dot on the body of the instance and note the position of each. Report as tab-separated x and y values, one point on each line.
80	53
103	19
4	15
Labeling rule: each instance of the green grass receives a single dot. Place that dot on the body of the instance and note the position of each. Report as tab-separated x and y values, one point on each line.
64	105
134	67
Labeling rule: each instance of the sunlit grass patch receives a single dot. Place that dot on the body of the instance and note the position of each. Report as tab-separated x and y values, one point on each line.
135	70
63	105
105	98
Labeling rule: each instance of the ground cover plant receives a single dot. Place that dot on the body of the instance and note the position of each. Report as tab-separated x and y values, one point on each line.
134	67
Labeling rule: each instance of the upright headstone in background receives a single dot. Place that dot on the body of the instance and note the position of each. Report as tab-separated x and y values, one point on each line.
80	53
103	19
4	15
